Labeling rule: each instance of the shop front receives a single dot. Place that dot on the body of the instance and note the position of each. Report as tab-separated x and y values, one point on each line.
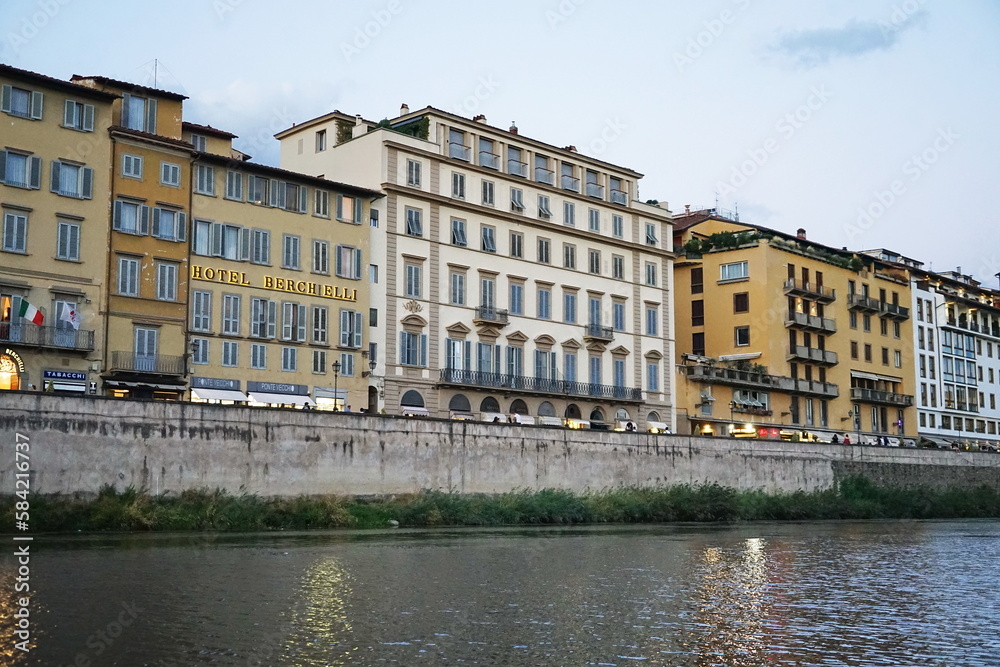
11	371
279	395
218	391
72	382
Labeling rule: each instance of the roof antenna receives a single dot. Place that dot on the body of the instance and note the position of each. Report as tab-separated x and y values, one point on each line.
155	63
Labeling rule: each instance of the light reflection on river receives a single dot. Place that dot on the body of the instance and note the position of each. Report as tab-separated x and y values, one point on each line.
881	593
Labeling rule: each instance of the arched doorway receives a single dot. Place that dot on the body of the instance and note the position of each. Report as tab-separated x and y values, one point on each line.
489	404
653	416
518	407
572	411
459	403
372	400
596	415
546	410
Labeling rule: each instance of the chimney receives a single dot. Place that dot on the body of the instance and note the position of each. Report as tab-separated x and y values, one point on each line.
513	128
404	109
800	233
571	149
359	128
479	119
687	209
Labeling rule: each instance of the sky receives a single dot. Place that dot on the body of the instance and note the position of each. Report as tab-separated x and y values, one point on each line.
870	124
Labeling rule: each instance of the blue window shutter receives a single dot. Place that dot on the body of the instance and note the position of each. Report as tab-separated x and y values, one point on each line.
182	226
117	215
357	210
272	319
423	349
126	99
402	347
36	105
345	328
357	264
303	199
156	222
144	220
87	189
54	174
340	206
88	117
358	328
35	172
467	361
69	114
7	92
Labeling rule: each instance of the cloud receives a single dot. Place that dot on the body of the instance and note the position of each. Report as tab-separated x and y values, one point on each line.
813	48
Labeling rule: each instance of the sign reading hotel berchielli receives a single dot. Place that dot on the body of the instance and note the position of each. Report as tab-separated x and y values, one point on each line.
274	283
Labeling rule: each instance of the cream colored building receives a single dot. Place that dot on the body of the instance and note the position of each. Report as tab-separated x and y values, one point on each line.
54	186
513	277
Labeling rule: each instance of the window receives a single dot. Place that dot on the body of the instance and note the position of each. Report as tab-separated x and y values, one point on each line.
895	329
487	293
351	328
568	180
515	165
569	256
234	185
72	180
15	232
698	343
146	348
321	203
457	289
21	170
489	192
742	336
569	366
594	261
290	251
852	318
458	232
347	364
617	315
698	313
651	274
204	179
128	276
595	370
350	209
883	327
260	246
516	244
544	303
866	322
201	310
617	226
413	281
458	185
199	142
169	224
372	322
414	224
569	213
23	103
293	321
321	257
199	350
68	241
897	356
868	352
516	199
319	362
854	349
130	217
489	239
885	356
734	271
543	207
78	116
132	166
263	318
542	172
170	174
230	353
373	274
516	299
413	173
349	262
258	190
412	349
569	308
741	302
166	281
697	280
652	320
653	376
231	314
617	267
651	234
544	255
594	220
289	359
487	158
320	141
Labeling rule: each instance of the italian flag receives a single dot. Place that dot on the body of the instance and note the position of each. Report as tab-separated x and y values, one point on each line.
30	313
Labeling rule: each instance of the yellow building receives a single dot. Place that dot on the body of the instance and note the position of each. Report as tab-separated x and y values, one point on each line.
779	336
147	252
54	188
279	289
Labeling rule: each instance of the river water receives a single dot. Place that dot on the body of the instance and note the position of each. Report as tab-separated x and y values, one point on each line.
871	593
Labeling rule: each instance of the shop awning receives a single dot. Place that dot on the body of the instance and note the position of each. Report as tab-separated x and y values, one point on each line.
493	417
281	399
577	423
68	386
414	411
462	416
147	385
938	442
523	419
661	427
218	394
550	421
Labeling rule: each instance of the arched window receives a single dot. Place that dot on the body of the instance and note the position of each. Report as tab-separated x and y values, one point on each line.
597	415
518	407
489	404
546	410
459	403
622	415
653	416
572	411
412	398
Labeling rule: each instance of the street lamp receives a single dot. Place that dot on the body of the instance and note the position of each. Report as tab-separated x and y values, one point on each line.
336	394
732	424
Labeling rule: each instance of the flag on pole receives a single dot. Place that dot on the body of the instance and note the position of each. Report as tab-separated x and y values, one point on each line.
30	313
70	315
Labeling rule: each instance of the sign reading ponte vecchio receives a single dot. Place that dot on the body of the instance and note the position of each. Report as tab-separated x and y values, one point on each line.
274	283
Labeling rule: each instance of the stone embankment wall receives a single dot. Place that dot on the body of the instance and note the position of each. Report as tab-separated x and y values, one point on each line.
79	444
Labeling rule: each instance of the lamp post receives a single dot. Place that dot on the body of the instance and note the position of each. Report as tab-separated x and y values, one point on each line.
336	394
732	424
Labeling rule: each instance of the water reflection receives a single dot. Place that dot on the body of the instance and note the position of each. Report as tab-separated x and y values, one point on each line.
9	606
319	619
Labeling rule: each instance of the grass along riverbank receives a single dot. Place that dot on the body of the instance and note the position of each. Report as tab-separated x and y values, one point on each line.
856	498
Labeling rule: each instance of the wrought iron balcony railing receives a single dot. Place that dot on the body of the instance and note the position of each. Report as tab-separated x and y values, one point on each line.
160	364
32	335
538	385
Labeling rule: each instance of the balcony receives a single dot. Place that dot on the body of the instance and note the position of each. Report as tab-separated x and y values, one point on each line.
865	304
814	291
595	190
489	160
751	380
459	151
491	315
809	387
619	197
160	364
596	332
807	322
882	397
517	168
543	175
894	311
813	355
522	383
32	335
570	183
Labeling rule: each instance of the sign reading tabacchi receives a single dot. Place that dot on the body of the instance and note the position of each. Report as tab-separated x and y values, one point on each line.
287	285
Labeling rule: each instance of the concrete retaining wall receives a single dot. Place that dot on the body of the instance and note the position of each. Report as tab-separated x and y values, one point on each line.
79	444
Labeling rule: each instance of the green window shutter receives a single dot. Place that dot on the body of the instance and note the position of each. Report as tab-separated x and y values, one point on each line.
144	220
36	105
87	186
54	173
69	114
182	226
35	172
156	222
88	117
151	116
